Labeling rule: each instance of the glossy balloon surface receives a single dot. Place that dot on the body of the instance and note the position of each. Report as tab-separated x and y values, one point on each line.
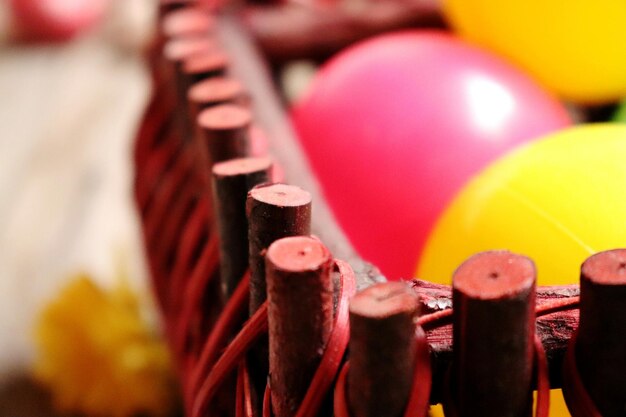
56	20
575	47
557	200
394	126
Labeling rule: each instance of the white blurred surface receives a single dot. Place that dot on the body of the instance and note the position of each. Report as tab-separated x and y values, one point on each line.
67	119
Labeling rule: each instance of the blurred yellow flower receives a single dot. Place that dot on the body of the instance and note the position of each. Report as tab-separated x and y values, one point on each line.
99	357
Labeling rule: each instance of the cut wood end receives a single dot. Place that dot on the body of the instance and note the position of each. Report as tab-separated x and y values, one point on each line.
206	61
606	268
225	117
281	195
215	89
494	275
241	166
179	49
298	254
186	21
384	300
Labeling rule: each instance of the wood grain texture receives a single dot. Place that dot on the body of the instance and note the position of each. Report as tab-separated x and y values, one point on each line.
600	346
493	336
300	317
382	349
554	329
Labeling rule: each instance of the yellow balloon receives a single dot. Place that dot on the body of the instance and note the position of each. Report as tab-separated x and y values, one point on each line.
557	406
557	200
576	48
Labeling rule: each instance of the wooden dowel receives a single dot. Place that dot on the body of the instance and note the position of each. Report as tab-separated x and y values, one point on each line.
274	211
169	25
382	349
224	132
283	31
215	91
205	65
493	334
187	21
208	93
176	51
554	330
300	316
232	180
601	339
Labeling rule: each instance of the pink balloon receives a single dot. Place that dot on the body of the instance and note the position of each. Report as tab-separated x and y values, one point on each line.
56	20
394	126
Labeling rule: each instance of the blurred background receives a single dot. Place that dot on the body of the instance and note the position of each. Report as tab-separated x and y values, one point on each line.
427	110
70	101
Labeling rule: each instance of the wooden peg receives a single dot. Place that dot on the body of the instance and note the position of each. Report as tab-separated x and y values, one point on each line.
215	91
274	211
187	21
204	65
493	335
601	340
232	180
199	66
176	51
382	349
300	317
224	131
